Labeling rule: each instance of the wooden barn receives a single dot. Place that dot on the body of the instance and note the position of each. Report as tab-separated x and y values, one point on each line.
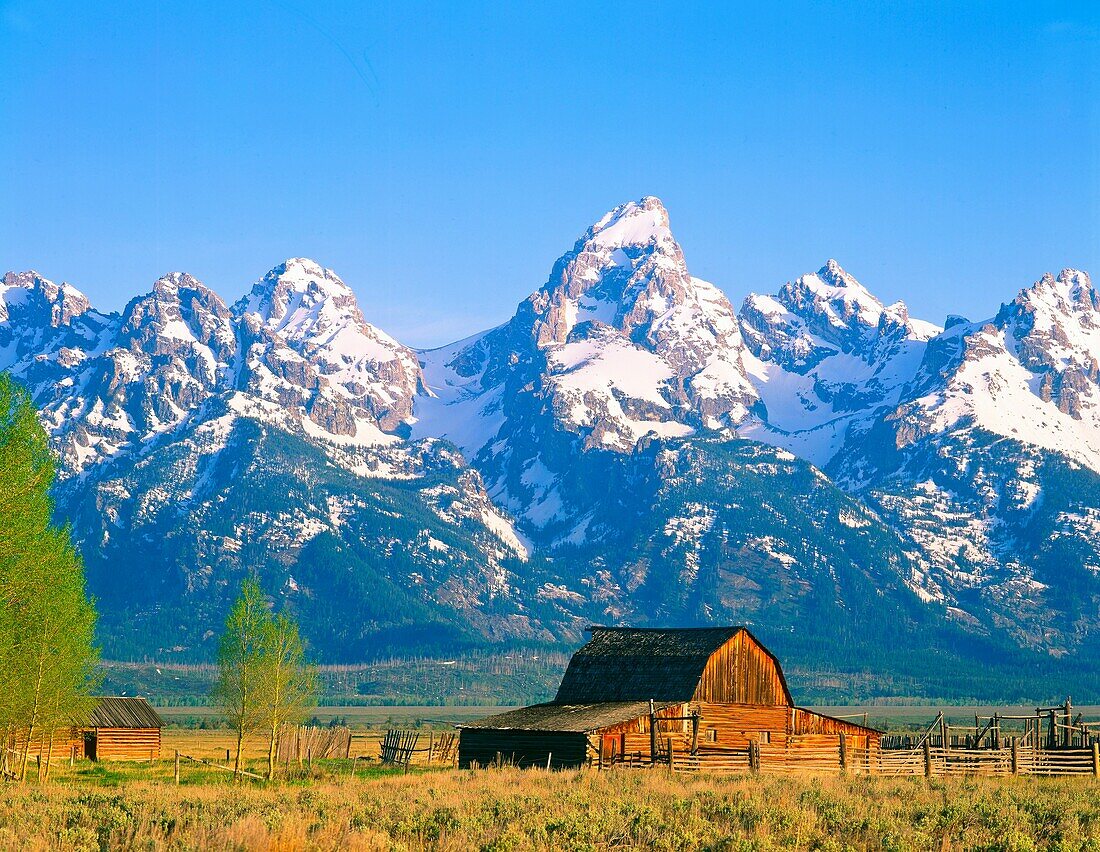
638	695
123	729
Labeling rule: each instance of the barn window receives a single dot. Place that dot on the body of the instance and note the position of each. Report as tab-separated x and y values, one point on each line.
711	735
765	736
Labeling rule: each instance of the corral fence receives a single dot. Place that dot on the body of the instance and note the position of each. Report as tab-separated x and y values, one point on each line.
403	748
1051	741
309	742
930	761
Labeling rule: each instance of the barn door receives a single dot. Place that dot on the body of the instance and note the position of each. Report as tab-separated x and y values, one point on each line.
611	748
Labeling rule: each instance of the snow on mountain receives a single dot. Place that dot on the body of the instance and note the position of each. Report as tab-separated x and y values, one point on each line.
825	352
307	347
1029	374
295	353
621	342
971	453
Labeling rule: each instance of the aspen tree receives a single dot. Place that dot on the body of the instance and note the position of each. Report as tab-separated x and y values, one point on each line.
290	684
241	681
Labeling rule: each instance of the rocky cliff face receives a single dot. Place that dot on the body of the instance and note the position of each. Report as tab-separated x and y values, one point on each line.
621	345
306	347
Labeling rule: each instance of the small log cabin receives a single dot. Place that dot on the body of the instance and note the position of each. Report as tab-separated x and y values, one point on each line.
123	729
711	692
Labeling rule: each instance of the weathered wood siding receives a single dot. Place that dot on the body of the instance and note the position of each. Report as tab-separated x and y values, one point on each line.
742	671
731	727
63	744
484	746
807	722
734	725
126	743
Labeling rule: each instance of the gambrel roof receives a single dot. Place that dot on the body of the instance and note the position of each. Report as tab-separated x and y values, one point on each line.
637	664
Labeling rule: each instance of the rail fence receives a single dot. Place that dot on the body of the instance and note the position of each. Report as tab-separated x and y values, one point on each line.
930	761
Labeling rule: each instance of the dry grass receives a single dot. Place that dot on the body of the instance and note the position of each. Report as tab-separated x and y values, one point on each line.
512	809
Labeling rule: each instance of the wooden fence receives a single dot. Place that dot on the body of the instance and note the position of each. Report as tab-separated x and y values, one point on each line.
931	761
402	748
308	742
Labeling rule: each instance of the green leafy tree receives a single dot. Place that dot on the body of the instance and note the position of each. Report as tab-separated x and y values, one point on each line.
290	684
242	678
47	622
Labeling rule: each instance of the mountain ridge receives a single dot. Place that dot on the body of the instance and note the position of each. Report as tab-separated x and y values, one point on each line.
620	358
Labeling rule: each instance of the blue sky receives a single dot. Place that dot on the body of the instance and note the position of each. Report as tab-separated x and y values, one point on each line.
441	156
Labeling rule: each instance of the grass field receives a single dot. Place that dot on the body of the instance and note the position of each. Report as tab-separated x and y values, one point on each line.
138	807
341	804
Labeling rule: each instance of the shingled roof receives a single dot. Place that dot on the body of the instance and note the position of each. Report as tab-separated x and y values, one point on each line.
567	718
636	664
115	712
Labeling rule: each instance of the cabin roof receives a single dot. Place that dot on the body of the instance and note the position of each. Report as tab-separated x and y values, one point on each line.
118	712
637	663
568	718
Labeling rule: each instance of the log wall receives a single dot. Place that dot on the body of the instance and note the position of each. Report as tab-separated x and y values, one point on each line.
63	744
126	744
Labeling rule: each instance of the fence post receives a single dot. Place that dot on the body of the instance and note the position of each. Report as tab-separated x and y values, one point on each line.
927	759
72	757
1015	756
177	767
652	734
670	753
843	752
1096	759
754	756
549	755
431	744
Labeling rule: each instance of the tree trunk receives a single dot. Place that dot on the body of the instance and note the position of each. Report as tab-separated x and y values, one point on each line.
49	757
237	757
271	748
26	752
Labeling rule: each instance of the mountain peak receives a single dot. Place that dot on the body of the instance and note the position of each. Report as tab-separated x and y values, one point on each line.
171	283
1071	284
300	287
63	301
636	223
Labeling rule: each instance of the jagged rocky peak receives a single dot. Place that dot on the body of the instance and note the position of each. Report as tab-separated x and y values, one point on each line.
29	298
636	223
1055	323
309	349
627	271
822	313
610	275
179	316
297	295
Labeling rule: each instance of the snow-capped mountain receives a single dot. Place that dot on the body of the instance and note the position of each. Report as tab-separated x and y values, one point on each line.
158	413
826	354
620	345
306	347
610	354
627	446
